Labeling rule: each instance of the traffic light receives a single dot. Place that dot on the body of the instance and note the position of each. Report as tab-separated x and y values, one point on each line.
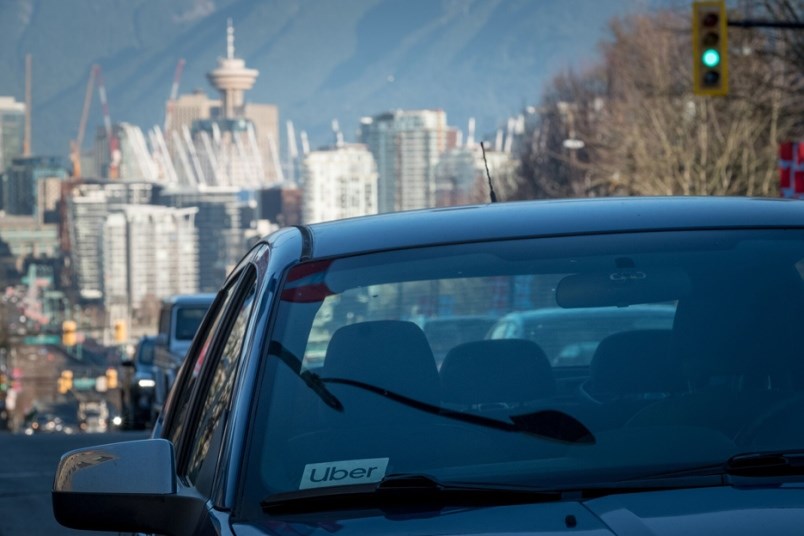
111	378
120	334
710	53
3	381
65	381
68	336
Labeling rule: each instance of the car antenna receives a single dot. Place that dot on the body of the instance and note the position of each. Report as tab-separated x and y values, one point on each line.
491	186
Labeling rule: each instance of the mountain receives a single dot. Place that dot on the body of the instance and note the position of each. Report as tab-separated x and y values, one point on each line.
318	59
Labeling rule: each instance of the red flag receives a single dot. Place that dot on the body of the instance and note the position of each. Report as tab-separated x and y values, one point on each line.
786	150
799	182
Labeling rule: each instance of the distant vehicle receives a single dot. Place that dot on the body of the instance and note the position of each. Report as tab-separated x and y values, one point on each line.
179	318
47	423
569	337
93	416
138	385
446	332
684	427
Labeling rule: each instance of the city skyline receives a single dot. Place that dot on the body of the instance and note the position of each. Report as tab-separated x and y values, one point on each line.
366	62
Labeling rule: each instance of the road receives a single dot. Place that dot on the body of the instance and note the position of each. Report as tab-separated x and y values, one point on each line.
27	466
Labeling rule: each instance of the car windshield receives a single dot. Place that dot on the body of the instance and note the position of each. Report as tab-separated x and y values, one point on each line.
145	352
187	321
669	347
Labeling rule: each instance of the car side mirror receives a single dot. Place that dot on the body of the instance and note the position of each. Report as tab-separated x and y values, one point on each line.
126	487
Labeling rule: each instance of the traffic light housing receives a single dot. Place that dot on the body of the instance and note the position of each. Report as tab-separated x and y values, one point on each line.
68	335
111	378
120	335
65	382
710	51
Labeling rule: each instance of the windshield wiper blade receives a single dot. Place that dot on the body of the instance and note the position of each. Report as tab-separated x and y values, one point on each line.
401	490
545	424
312	379
767	463
749	464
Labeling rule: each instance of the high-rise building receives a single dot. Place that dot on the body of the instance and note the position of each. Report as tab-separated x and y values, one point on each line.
406	145
187	109
338	182
27	237
460	175
148	253
12	127
220	229
88	206
32	187
280	204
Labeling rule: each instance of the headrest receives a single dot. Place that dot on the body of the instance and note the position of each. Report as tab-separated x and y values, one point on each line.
493	371
391	354
635	364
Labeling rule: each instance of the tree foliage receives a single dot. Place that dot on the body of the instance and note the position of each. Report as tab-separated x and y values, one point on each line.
645	133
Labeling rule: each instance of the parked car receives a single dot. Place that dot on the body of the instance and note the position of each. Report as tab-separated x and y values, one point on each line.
179	318
138	385
445	332
570	336
691	427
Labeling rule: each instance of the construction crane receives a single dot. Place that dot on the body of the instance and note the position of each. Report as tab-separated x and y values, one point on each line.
95	78
76	144
174	94
114	149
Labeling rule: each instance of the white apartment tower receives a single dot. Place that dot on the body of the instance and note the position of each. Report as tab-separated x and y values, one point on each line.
88	206
338	182
147	252
406	145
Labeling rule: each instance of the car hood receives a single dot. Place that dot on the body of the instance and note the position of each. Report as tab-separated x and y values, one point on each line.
722	510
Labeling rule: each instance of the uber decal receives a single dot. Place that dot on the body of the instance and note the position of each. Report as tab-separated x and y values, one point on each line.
319	475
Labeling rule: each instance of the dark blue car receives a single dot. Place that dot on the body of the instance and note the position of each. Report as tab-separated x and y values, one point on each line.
311	402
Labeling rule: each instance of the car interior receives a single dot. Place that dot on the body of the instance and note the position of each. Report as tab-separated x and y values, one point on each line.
723	377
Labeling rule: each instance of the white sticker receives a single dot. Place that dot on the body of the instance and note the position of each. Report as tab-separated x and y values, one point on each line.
320	475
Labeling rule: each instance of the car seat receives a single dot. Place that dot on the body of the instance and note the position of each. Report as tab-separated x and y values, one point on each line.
390	354
634	365
502	372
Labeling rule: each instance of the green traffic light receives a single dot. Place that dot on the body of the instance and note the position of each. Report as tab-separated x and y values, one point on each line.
711	58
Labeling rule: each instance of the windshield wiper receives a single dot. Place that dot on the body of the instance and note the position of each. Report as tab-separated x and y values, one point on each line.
545	424
768	463
401	490
312	379
748	464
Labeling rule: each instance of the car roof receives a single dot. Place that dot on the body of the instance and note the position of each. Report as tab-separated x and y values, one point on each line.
547	218
190	299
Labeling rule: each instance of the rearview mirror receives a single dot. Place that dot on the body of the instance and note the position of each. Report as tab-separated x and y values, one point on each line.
620	288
